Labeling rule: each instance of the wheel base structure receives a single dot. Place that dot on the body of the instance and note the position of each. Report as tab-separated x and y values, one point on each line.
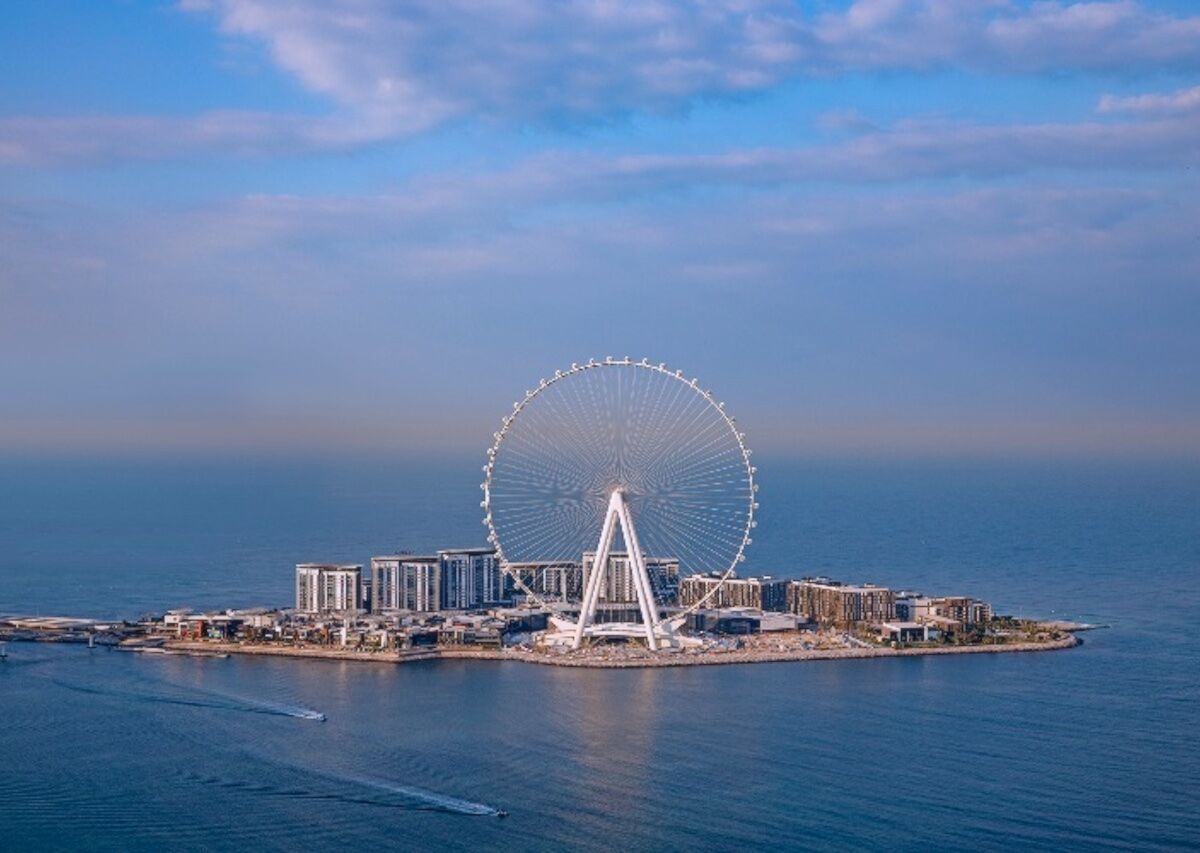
563	633
618	515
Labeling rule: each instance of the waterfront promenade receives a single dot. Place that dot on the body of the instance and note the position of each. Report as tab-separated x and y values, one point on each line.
617	656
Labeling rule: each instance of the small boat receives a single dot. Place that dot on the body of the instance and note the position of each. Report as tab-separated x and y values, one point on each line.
501	813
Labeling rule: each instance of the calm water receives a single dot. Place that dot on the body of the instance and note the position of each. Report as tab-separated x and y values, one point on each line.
1090	748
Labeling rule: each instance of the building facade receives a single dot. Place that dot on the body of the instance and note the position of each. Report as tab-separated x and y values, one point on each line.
406	582
967	612
618	580
827	602
470	578
758	593
328	588
553	580
911	606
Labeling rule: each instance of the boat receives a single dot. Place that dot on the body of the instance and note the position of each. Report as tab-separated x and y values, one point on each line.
501	813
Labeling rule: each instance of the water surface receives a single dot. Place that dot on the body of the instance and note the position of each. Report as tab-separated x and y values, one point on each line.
1088	748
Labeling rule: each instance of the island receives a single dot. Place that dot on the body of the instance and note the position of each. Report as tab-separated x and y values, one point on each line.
714	620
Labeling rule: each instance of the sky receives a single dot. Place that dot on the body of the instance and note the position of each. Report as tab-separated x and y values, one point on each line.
882	227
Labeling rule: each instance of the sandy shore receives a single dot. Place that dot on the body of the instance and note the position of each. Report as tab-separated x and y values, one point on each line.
713	658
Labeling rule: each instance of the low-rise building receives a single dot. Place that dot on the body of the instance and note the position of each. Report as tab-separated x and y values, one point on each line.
725	621
967	612
771	622
910	605
905	632
520	620
463	630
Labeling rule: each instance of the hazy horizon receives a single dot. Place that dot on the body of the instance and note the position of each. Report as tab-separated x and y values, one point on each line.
879	228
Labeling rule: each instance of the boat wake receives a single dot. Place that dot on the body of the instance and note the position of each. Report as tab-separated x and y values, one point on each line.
396	796
201	699
432	799
262	706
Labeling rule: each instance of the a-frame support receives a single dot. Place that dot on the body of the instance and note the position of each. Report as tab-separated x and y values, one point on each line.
618	513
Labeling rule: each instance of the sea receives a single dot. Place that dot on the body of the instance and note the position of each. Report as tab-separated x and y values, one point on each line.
1091	748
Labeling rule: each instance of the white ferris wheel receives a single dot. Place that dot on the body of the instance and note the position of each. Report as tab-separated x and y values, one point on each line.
609	482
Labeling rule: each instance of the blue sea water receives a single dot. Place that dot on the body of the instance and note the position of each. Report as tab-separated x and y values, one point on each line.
1092	748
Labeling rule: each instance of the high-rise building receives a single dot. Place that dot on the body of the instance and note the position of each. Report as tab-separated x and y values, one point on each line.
471	577
328	588
618	581
406	582
308	588
759	593
828	602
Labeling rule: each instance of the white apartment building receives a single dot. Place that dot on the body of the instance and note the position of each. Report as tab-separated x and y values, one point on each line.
406	582
328	588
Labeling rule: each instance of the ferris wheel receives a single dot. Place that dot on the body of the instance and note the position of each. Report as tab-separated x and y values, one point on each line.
610	481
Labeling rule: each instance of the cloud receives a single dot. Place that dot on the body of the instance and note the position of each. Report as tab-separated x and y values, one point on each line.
102	139
427	61
391	71
1183	100
905	152
420	63
1035	302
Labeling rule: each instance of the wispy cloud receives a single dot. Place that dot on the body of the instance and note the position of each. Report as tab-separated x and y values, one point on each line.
1164	132
84	140
1181	101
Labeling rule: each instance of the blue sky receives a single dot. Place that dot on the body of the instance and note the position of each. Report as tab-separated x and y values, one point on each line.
880	227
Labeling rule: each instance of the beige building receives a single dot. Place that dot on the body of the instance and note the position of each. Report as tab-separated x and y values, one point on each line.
763	593
967	612
828	602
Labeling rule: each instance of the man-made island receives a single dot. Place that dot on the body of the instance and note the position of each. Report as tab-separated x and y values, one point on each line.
460	605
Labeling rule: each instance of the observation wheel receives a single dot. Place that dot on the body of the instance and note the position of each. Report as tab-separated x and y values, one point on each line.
607	484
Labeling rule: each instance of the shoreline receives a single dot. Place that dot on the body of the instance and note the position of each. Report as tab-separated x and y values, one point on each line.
729	658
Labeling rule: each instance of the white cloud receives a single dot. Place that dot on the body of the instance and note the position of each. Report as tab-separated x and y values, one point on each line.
1183	100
